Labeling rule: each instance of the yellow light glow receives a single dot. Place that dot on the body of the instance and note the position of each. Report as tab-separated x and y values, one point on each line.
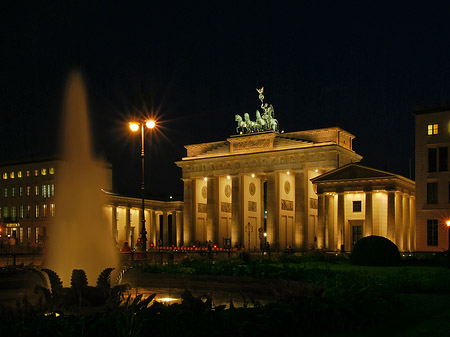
288	173
447	223
134	126
253	175
205	179
168	299
228	177
150	124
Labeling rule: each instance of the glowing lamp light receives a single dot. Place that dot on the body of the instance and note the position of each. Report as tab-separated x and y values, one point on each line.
448	223
288	173
205	178
265	234
253	175
150	124
228	177
134	126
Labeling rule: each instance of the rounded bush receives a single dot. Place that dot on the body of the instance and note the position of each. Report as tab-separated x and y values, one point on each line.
375	251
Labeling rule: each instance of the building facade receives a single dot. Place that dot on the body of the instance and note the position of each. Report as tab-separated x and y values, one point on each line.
432	142
27	207
250	184
356	201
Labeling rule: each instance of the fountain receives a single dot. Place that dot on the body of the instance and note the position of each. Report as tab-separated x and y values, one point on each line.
79	237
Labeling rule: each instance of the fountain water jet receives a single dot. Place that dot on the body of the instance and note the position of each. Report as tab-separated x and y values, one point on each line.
79	237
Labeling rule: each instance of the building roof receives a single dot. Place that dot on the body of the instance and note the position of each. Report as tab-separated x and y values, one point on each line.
352	171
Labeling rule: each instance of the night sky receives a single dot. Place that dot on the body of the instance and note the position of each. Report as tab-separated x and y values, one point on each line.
360	65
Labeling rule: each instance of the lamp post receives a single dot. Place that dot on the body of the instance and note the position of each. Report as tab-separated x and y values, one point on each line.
134	126
448	231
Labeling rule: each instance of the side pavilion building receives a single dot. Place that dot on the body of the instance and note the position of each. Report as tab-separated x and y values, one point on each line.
250	184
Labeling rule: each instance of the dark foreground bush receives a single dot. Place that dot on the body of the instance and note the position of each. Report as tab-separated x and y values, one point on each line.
375	251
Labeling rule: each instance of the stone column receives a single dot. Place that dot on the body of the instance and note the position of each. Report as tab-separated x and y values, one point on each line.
128	224
329	204
273	209
154	230
114	231
301	218
188	213
237	226
212	209
368	226
165	229
399	220
391	216
412	220
406	223
341	219
179	228
321	221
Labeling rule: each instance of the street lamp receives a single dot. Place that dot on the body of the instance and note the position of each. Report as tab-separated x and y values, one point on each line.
134	126
448	231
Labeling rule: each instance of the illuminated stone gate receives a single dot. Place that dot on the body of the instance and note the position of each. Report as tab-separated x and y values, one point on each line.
236	190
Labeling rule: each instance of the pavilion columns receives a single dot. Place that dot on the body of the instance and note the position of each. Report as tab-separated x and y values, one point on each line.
399	220
406	222
114	231
368	223
330	230
273	208
237	226
341	219
301	217
128	224
153	230
412	220
179	228
321	221
188	213
165	233
391	216
212	209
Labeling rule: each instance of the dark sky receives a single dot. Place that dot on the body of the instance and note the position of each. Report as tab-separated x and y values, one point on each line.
360	65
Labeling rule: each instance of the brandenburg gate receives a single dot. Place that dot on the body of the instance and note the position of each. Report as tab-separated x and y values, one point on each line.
259	181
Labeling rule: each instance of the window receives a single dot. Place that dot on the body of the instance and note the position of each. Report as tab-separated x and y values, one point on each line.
21	214
11	175
28	173
432	160
36	238
19	174
432	232
44	211
21	235
36	190
36	211
432	193
5	212
36	173
28	211
13	213
13	191
443	159
53	190
51	170
5	175
28	191
20	191
0	212
357	206
52	210
5	192
433	129
44	171
29	234
44	191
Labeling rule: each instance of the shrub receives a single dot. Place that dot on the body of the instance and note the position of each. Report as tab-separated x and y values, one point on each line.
375	251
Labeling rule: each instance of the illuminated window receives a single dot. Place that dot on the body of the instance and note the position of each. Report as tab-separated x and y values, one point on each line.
21	235
51	170
28	211
20	191
36	190
44	191
432	232
36	173
5	212
13	213
36	211
44	171
21	213
44	211
357	206
28	173
28	191
432	129
53	190
11	175
36	238
19	174
52	210
5	175
29	234
5	192
13	191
